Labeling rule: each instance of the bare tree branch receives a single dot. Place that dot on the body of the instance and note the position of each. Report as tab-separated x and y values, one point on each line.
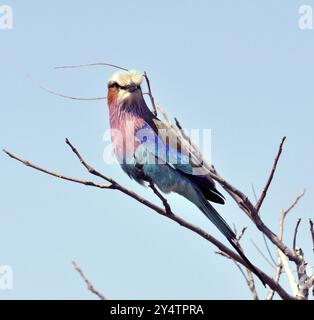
165	116
239	237
289	274
285	212
300	264
56	174
264	237
161	197
152	99
295	202
178	124
312	231
295	234
281	258
261	253
92	65
303	283
251	284
268	250
87	166
90	287
246	205
184	135
58	94
114	185
279	267
278	273
76	66
263	195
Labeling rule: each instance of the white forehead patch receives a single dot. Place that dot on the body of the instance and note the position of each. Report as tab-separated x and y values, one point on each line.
124	78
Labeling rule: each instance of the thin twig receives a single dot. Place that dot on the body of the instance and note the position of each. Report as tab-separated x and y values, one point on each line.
56	174
87	166
312	231
249	279
295	202
254	192
263	195
234	228
184	135
165	116
264	237
295	234
289	274
278	273
285	212
152	99
261	253
281	256
279	267
251	284
90	287
38	84
268	250
239	237
92	65
161	197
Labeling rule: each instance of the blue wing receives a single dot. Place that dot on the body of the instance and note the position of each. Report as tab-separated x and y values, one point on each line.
163	146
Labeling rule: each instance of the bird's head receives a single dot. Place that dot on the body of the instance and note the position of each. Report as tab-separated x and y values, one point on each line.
125	86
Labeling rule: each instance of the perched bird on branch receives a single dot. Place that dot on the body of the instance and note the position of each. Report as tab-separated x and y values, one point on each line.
148	150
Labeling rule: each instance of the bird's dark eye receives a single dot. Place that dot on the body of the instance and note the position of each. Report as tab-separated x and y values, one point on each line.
129	87
113	85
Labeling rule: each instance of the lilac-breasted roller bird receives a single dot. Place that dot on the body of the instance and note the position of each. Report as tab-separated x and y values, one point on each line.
148	150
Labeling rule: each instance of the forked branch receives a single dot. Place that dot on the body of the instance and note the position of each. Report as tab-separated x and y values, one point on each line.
162	211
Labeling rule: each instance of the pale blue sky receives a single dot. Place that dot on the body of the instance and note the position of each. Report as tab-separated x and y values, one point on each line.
242	68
